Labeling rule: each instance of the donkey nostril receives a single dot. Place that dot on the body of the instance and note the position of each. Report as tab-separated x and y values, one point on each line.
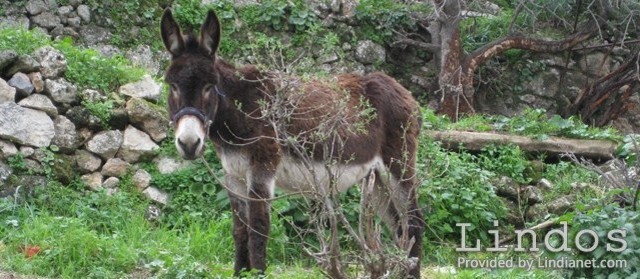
197	142
182	145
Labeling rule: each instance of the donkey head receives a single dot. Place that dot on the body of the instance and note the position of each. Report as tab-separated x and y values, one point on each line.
194	95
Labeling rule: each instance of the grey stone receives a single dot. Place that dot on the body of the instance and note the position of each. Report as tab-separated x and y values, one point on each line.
27	151
141	179
5	172
544	184
142	56
64	11
93	180
7	93
25	64
147	89
87	162
53	64
6	58
46	20
25	126
560	205
93	35
507	187
532	195
152	213
84	13
73	21
105	144
39	102
107	50
92	95
136	145
110	183
156	195
36	7
19	21
119	119
168	165
66	137
75	3
368	52
115	167
536	212
148	118
22	84
7	149
61	91
36	81
83	118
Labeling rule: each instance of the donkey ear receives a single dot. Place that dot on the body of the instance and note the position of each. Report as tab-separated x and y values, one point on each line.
171	35
210	33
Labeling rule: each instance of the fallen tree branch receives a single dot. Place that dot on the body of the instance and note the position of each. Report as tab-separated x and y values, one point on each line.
540	226
475	141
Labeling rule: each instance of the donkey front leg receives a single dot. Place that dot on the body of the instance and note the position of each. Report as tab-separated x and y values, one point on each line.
240	220
260	190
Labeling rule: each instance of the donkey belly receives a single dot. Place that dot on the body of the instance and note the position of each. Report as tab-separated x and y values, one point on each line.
293	176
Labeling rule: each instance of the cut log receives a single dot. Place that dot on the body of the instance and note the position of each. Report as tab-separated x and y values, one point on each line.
476	141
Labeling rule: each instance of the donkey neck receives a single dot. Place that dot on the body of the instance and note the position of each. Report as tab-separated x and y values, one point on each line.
239	91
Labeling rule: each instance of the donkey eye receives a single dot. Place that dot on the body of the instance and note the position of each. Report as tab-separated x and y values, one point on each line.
207	88
174	87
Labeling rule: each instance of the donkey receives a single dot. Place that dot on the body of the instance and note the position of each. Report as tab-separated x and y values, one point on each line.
210	98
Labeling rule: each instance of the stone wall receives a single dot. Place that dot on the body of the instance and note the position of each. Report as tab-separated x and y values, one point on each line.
42	112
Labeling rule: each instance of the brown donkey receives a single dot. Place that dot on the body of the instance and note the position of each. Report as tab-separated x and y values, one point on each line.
211	98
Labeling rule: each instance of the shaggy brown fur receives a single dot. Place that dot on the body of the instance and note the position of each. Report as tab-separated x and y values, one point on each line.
234	105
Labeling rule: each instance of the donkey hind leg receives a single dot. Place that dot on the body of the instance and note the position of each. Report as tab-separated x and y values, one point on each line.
400	212
240	211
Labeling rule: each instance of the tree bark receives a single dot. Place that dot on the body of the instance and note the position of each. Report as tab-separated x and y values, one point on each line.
594	149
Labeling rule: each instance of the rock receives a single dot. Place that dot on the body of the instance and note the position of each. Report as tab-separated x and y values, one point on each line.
53	64
23	186
136	145
74	21
115	167
75	3
6	58
107	50
7	149
61	91
36	7
27	151
64	168
156	195
83	118
148	118
532	195
25	126
5	172
93	35
105	144
514	216
142	56
36	81
368	52
84	13
66	137
152	213
141	179
24	64
507	187
625	177
46	20
21	83
87	162
560	205
544	184
7	93
92	95
147	89
111	183
65	11
536	212
168	165
39	102
93	180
